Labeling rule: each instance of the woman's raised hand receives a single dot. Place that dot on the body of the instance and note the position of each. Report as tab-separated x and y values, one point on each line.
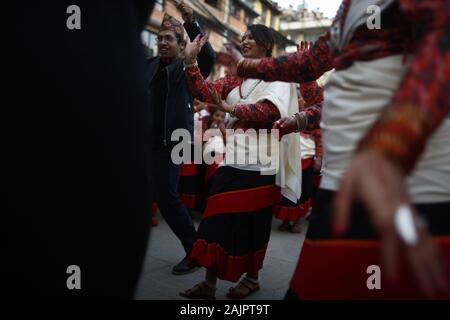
304	46
193	48
236	56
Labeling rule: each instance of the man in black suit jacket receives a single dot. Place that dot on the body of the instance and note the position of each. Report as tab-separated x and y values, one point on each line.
74	151
171	106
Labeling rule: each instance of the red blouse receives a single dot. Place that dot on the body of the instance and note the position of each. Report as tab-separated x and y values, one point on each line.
259	115
312	93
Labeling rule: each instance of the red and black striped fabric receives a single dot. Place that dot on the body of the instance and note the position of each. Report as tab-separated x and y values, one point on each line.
335	269
188	186
236	223
193	182
286	210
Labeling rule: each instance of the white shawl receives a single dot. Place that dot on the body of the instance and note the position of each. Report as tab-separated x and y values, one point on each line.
284	96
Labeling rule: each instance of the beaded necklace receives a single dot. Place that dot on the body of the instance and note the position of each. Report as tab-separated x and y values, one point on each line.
249	92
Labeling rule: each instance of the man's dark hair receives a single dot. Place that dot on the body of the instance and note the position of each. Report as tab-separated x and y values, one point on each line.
263	36
179	37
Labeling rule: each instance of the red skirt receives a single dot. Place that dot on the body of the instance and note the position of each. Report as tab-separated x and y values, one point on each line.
338	270
189	184
289	211
236	224
335	269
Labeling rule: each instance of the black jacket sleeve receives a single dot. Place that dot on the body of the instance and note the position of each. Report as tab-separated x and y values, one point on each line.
206	57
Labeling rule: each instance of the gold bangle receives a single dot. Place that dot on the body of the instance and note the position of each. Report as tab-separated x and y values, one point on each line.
233	111
240	62
247	68
297	125
301	120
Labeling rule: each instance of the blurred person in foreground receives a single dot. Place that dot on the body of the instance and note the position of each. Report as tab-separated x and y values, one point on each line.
386	167
75	151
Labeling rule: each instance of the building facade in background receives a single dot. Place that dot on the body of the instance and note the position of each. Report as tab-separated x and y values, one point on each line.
302	24
270	15
225	20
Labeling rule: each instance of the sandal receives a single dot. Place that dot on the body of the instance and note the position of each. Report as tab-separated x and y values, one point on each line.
296	228
242	290
199	291
285	226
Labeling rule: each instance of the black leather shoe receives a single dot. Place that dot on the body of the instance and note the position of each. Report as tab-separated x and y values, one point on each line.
183	268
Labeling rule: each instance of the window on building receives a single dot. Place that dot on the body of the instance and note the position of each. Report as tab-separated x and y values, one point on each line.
235	11
159	5
213	3
248	20
263	16
272	20
149	41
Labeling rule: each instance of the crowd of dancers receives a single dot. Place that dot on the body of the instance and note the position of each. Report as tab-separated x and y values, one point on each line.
352	133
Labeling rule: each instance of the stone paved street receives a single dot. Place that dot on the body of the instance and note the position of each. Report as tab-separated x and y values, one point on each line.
165	251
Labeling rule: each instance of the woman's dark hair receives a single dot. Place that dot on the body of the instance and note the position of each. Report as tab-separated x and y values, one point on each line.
263	36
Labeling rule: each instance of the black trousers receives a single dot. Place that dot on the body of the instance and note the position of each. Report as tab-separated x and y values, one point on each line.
166	176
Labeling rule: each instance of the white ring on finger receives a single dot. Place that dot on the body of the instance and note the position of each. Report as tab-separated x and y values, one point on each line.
405	226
